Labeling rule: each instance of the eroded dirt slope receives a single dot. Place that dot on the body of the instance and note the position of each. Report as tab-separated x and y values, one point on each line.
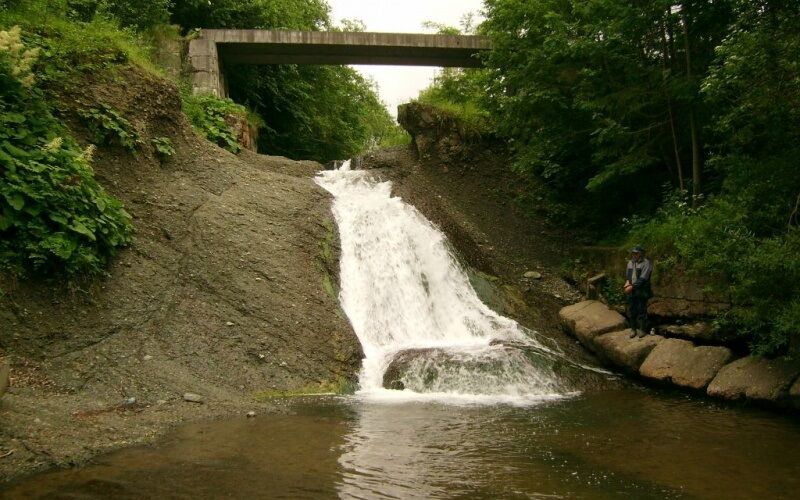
228	290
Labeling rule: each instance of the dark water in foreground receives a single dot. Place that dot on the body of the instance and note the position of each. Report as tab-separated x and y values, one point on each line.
629	443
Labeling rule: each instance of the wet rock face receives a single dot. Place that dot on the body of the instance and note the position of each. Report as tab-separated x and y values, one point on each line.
590	318
624	351
435	369
487	370
683	364
756	378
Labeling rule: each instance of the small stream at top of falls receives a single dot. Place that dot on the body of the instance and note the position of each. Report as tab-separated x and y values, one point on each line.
410	302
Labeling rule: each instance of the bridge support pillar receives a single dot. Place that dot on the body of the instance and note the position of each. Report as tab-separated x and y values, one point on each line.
206	74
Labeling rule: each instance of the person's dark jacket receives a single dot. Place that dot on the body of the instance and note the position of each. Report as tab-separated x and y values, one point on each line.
638	273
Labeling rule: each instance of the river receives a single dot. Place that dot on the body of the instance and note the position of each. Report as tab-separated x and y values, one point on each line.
488	408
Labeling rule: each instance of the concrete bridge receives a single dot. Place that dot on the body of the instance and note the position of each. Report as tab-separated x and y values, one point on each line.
213	48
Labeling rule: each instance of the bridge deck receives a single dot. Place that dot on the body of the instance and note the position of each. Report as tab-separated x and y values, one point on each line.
329	47
311	47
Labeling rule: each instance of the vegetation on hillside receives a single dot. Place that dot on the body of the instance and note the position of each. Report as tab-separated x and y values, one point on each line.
673	124
310	112
54	216
55	219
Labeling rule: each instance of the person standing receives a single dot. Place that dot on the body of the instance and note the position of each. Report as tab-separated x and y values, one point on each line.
637	288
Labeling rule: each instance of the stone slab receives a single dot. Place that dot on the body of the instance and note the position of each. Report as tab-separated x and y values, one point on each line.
590	318
626	352
684	364
755	378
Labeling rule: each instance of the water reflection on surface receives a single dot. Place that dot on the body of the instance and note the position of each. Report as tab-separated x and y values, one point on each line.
613	444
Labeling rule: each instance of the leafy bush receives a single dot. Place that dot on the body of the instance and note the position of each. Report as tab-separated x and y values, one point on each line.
163	146
760	275
54	217
209	116
108	126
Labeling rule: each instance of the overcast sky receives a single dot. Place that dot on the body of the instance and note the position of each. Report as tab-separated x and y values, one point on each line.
399	84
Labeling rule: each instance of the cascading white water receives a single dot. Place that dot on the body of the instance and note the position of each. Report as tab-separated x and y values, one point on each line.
402	289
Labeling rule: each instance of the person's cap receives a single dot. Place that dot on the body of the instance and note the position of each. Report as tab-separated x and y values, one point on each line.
637	249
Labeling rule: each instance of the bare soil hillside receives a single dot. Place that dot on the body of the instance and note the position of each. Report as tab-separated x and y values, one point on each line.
229	290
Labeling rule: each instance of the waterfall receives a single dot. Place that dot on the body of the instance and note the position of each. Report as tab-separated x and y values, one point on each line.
406	296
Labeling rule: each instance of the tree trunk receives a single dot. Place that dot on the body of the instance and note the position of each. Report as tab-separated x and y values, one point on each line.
696	166
664	65
696	156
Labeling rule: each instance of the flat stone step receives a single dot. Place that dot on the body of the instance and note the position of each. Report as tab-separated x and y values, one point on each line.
626	352
757	378
590	318
684	364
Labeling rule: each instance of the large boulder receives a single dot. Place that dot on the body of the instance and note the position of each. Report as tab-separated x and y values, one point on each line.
478	370
684	364
4	377
626	352
439	134
590	318
501	368
755	378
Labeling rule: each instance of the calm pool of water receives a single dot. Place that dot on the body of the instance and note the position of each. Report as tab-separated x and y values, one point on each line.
624	443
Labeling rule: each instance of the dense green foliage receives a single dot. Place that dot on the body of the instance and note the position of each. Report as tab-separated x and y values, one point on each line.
461	94
54	217
109	127
163	147
70	47
314	112
137	14
674	124
311	112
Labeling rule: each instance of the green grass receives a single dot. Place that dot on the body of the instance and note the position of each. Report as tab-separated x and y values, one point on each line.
396	137
472	120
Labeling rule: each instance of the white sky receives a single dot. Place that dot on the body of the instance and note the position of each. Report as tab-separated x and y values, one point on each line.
399	84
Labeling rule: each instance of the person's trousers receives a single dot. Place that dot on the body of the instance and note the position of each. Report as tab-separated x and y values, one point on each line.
637	313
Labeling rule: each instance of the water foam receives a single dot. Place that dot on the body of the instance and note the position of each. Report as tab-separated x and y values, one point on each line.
402	289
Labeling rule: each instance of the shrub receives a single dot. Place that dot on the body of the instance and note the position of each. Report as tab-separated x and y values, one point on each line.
761	275
163	146
209	116
108	127
54	216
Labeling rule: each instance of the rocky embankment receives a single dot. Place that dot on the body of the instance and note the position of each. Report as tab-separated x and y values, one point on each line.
227	295
462	183
712	369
